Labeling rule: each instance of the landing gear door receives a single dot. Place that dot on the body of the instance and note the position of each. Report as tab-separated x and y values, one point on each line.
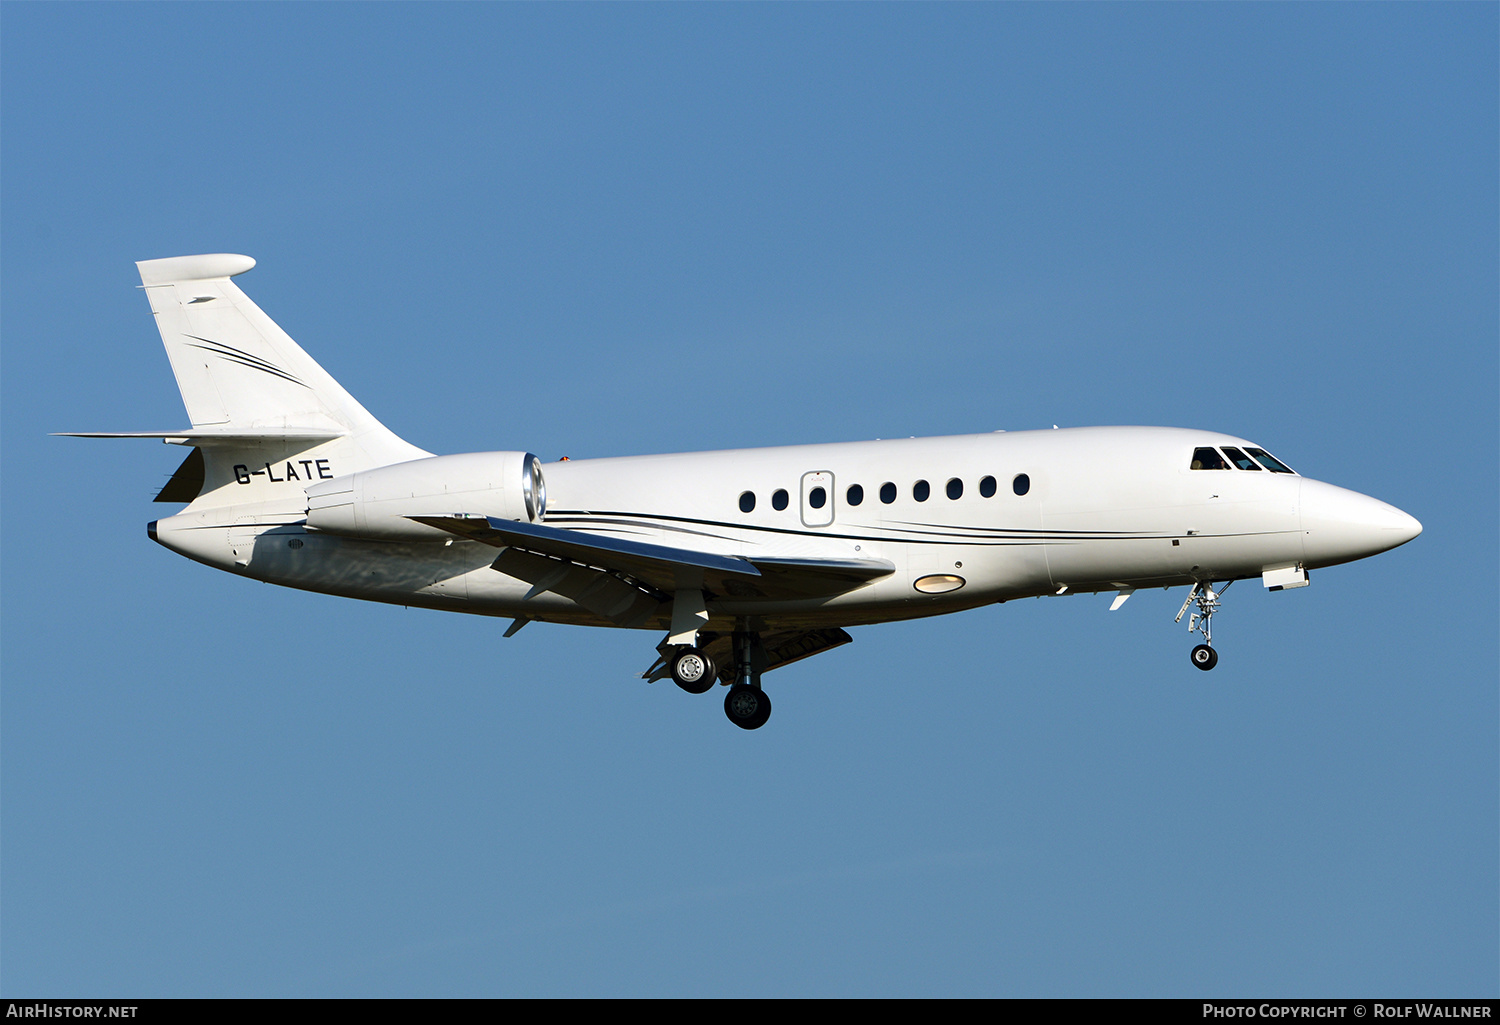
817	499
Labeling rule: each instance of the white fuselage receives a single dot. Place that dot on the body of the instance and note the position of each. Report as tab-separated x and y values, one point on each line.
1103	508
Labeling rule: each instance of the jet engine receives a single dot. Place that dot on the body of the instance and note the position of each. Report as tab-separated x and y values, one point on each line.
376	503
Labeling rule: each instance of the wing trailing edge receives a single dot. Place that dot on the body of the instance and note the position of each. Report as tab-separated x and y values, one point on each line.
666	569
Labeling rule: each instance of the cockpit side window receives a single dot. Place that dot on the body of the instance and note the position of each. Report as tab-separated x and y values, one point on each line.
1208	459
1239	459
1269	461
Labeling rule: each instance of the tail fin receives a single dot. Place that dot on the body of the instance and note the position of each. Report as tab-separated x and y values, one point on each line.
242	377
266	418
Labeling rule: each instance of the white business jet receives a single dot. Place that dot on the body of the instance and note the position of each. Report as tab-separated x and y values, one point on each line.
746	561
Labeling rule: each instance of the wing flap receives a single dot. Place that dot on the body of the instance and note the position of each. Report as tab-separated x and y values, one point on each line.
601	593
668	569
659	566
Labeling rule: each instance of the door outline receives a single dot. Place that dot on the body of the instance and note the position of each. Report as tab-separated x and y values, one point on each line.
812	480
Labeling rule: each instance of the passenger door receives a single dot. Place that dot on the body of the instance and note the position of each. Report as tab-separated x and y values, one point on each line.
817	498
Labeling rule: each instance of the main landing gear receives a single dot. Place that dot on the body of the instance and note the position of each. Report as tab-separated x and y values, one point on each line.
747	706
694	670
1207	600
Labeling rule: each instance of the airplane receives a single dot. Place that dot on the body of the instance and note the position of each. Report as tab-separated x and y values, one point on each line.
745	561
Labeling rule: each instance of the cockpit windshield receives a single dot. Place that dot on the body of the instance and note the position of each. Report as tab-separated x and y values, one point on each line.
1208	459
1269	461
1239	459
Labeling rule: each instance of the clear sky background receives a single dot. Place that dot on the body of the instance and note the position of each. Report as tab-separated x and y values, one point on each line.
598	230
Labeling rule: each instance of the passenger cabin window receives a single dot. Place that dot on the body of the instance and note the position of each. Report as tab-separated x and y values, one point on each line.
921	490
779	499
1239	459
854	495
747	501
1208	459
1021	484
817	498
987	487
955	489
887	492
1269	461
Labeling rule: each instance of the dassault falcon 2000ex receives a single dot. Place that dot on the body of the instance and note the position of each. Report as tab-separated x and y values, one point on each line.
746	561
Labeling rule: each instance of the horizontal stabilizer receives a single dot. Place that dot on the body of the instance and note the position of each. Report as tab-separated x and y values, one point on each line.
668	569
210	437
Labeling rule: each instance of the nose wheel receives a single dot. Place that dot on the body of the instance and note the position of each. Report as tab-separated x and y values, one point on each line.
1207	601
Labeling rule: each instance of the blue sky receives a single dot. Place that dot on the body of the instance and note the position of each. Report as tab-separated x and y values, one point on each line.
593	230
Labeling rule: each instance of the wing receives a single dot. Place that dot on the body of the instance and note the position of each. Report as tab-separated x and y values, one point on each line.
665	569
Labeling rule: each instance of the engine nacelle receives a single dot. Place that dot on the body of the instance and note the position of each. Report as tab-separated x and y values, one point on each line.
376	503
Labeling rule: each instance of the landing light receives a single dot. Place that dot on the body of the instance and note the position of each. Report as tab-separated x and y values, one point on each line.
939	583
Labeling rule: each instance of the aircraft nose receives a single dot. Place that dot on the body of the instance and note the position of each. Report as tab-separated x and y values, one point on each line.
1341	525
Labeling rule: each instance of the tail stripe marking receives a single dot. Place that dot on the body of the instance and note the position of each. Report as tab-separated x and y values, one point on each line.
243	358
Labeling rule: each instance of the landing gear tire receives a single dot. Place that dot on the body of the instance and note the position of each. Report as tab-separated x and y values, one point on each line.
1204	657
747	707
693	671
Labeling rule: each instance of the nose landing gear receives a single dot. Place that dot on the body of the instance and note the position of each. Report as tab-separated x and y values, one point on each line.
1203	656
